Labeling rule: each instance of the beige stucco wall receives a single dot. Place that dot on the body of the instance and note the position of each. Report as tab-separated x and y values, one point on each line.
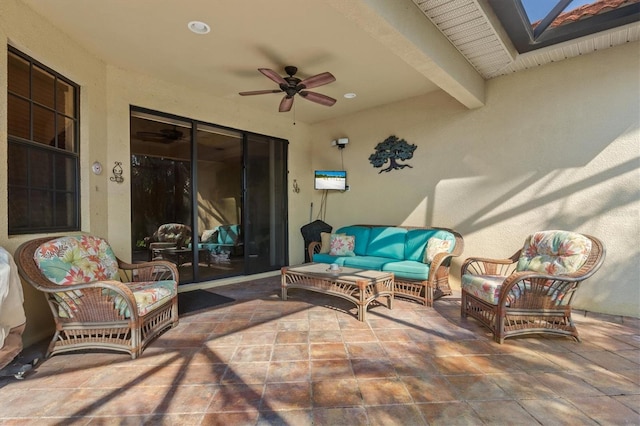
106	93
556	147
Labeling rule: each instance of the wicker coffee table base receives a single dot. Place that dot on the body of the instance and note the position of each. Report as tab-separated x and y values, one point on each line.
358	286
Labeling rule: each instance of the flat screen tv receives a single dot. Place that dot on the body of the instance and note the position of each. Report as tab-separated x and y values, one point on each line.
330	179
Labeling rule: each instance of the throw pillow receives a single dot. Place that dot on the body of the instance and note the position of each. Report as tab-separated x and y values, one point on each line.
435	246
325	241
210	236
342	245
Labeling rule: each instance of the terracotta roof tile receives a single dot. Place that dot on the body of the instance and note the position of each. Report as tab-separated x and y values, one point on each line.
588	10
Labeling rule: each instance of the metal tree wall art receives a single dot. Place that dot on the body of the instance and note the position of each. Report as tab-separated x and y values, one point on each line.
392	150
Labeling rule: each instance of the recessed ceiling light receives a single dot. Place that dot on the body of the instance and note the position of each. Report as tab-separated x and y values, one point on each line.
198	27
349	95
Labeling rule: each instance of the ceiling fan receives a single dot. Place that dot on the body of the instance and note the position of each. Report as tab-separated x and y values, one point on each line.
163	135
293	85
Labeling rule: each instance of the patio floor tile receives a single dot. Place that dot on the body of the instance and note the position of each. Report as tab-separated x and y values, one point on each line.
309	361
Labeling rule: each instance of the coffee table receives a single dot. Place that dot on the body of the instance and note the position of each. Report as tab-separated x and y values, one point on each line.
182	256
358	286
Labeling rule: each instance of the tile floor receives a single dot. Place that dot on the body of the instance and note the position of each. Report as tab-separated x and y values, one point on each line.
308	361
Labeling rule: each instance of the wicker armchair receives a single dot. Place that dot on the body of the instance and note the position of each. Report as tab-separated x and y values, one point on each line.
531	292
167	236
97	300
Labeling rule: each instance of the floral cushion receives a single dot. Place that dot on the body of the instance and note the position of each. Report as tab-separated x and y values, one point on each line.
84	258
554	252
209	236
435	246
342	245
173	233
484	287
148	294
325	241
77	259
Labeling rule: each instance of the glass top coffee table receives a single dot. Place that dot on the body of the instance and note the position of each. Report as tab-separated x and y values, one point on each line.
358	286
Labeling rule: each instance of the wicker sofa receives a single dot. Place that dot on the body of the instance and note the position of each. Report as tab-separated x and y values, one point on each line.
419	257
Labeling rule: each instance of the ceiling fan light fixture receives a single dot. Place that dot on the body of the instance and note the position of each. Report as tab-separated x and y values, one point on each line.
198	27
350	95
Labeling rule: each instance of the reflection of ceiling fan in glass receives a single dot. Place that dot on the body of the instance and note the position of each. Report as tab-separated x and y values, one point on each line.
292	86
162	135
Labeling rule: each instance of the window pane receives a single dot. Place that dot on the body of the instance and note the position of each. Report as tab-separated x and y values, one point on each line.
41	208
64	98
65	133
41	173
65	178
64	209
17	162
18	75
18	208
18	117
42	182
43	86
44	130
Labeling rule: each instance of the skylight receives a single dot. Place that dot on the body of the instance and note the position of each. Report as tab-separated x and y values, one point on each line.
534	24
537	10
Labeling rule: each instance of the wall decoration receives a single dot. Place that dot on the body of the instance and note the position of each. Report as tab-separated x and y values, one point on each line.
392	150
117	173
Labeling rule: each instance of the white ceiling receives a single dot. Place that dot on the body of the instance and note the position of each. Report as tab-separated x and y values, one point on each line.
372	47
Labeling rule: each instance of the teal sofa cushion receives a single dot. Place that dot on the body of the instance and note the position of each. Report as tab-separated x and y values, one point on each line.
367	262
361	234
416	243
387	241
228	234
409	269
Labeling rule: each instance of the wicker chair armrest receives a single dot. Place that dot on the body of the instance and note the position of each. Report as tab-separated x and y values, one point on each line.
314	248
156	270
87	306
439	260
487	266
531	284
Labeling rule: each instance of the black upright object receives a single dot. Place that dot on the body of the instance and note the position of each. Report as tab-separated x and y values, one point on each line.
311	232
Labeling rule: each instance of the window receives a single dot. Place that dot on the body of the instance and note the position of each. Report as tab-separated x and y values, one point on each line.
534	24
42	123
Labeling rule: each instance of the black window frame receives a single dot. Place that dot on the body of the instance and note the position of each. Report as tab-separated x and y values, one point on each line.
56	154
513	17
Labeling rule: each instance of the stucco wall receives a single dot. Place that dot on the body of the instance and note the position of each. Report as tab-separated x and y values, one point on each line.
556	147
106	93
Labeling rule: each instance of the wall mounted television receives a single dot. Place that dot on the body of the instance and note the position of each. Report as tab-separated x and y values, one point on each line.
330	179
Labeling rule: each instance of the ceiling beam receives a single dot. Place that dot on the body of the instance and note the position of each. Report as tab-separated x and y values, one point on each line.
404	29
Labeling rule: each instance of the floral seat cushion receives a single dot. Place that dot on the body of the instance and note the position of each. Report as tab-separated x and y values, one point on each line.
148	294
84	258
484	287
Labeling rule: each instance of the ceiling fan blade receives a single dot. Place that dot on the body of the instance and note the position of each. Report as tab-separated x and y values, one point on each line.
318	80
317	98
259	92
273	75
285	104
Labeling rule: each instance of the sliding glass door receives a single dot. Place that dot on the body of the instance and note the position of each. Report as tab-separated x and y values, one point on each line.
219	201
266	204
209	199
